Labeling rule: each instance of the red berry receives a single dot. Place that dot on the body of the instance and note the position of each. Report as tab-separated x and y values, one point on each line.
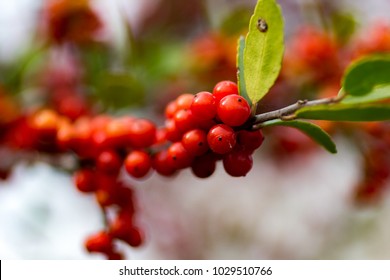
162	164
224	88
135	238
108	161
233	110
100	242
122	225
124	197
107	186
238	163
184	120
250	140
195	142
221	139
138	164
173	134
178	156
184	101
142	133
203	106
204	166
84	180
171	109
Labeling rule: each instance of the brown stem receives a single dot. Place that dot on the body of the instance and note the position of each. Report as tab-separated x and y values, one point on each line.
288	113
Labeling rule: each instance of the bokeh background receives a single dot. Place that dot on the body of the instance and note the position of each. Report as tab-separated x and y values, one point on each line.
298	202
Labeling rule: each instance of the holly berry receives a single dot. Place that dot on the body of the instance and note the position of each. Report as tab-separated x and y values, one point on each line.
184	120
135	237
221	139
184	101
224	88
204	166
138	164
238	163
100	242
162	164
250	140
84	180
178	156
195	142
204	106
108	161
233	110
142	133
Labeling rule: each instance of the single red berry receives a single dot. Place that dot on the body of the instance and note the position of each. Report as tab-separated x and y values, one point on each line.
178	156
142	133
85	180
250	140
204	166
221	139
124	197
135	238
203	106
109	161
162	164
184	120
195	142
100	242
238	163
121	226
170	109
138	164
233	110
184	101
173	134
107	186
224	88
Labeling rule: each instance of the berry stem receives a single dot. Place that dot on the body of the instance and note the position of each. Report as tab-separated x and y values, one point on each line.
288	113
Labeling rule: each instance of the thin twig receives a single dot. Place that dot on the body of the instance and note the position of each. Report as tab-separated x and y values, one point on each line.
288	113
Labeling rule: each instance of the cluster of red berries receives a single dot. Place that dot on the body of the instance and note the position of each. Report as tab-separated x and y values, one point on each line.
207	127
103	145
199	130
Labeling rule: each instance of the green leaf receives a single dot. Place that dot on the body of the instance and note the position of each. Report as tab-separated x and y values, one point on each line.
264	48
313	131
346	112
377	94
362	76
240	70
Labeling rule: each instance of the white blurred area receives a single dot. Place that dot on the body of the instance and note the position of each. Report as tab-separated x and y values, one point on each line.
299	210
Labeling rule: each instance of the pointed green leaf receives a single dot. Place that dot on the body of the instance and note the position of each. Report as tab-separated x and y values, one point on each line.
364	75
313	131
377	94
346	112
240	69
264	47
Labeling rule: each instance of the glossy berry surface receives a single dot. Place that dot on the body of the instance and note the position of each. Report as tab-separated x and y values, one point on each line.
204	106
138	164
224	88
238	163
195	142
233	110
221	139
